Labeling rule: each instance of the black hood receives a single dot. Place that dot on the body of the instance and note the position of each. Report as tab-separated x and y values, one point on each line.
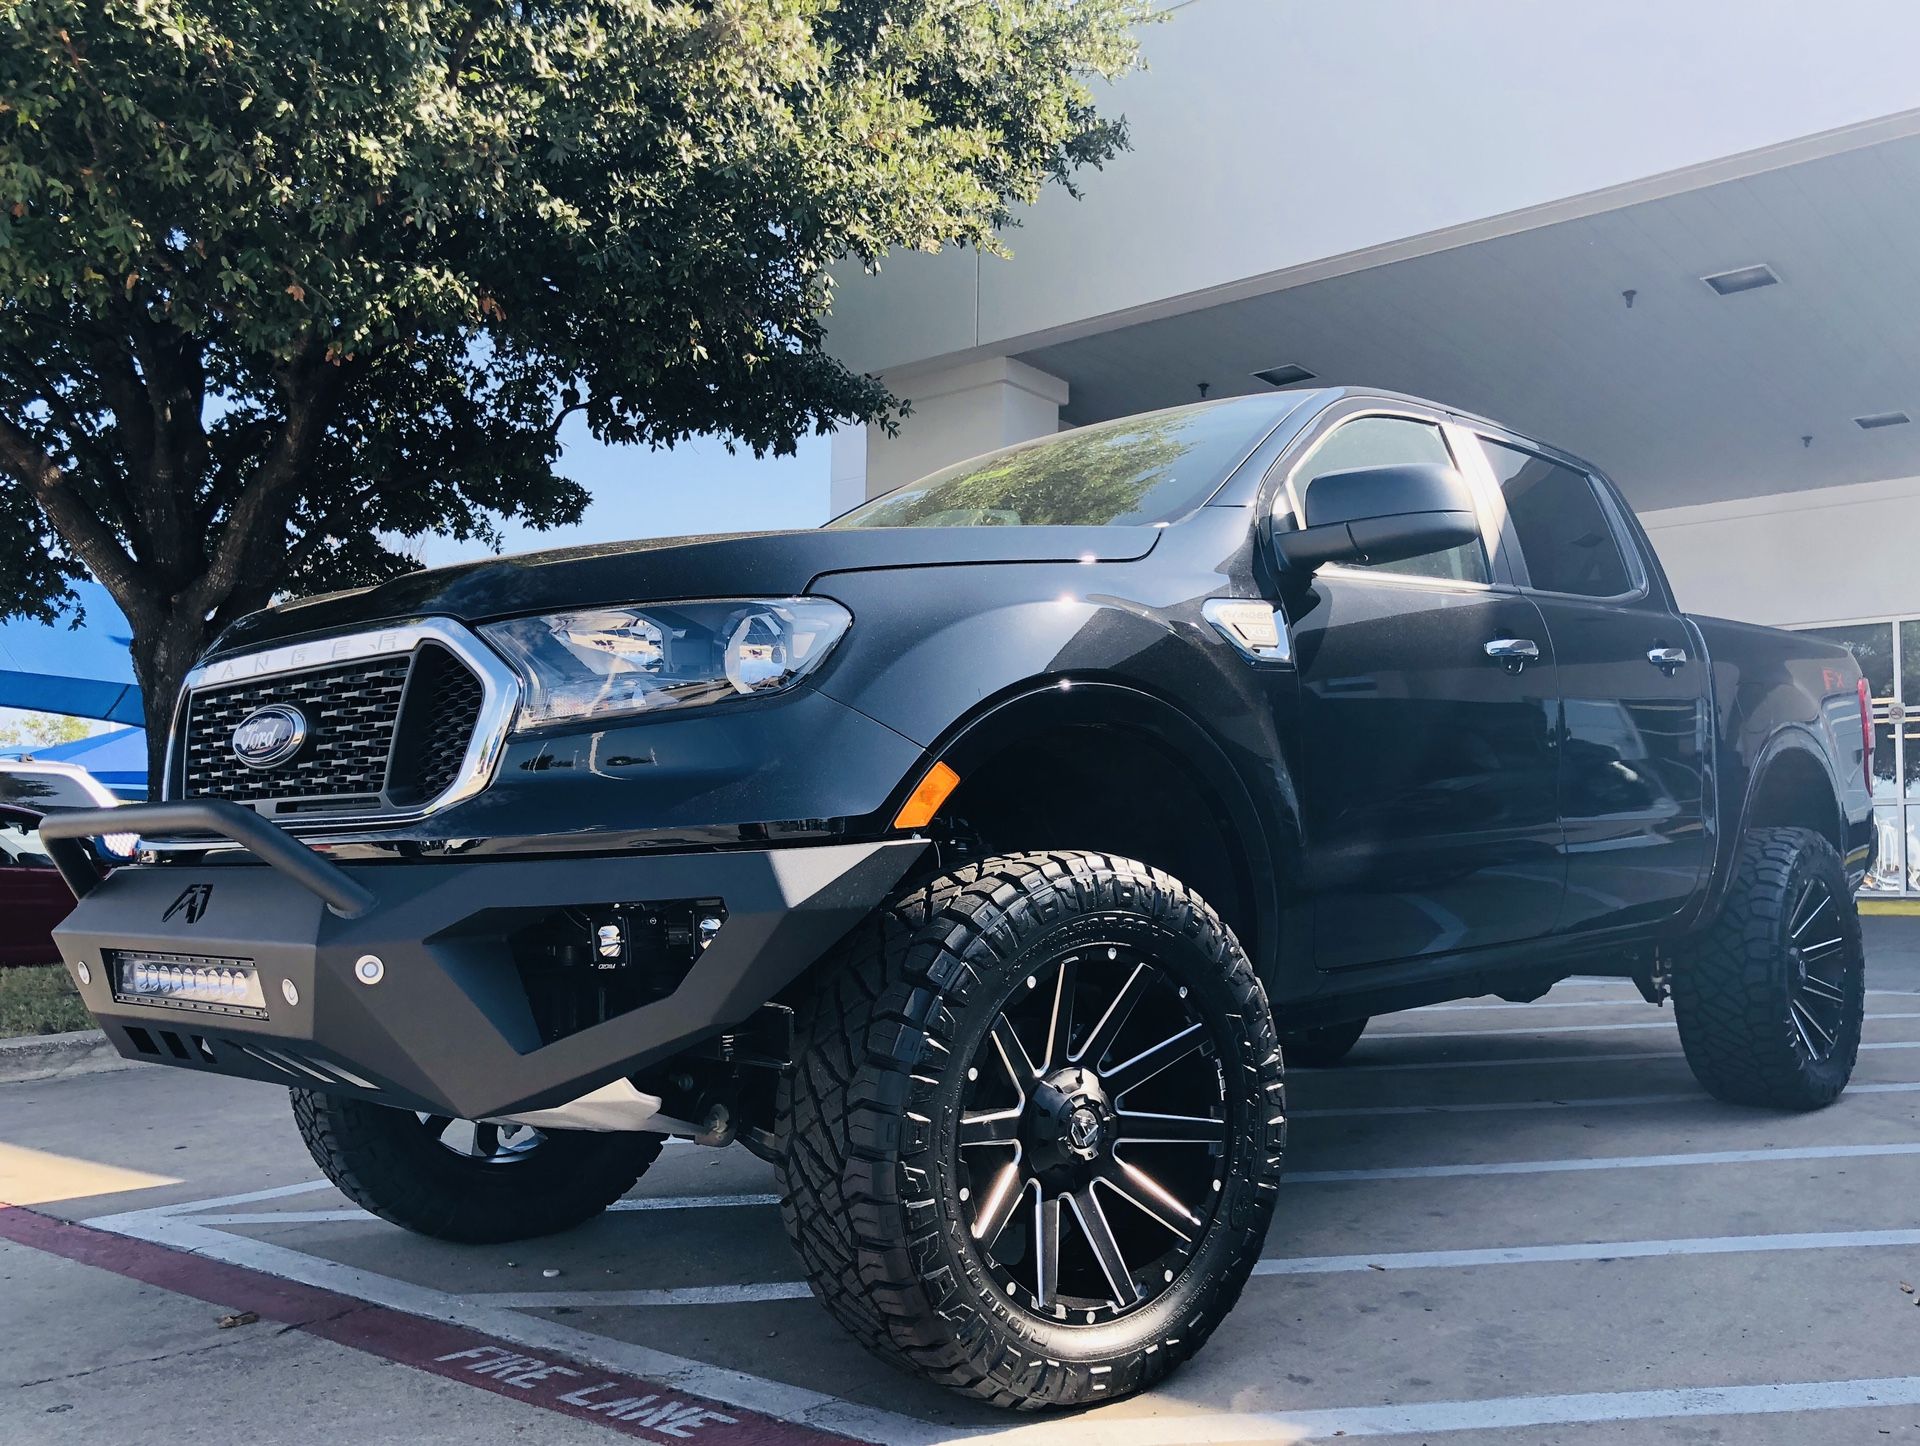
740	564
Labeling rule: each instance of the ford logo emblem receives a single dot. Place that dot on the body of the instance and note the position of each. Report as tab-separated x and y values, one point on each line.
269	735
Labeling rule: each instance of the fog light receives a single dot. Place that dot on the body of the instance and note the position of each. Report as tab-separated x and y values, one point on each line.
215	986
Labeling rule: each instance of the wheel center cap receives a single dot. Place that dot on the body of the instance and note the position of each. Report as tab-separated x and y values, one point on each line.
1085	1131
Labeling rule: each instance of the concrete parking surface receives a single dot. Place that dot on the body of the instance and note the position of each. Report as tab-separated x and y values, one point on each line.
1502	1224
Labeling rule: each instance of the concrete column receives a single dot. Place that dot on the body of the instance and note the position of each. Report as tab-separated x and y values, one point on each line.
958	412
846	469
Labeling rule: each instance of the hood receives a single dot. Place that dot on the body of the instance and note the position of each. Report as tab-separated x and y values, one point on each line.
741	564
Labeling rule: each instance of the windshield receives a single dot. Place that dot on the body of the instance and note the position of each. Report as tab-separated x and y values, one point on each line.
1135	471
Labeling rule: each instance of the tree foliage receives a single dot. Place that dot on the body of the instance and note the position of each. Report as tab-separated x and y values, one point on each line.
279	277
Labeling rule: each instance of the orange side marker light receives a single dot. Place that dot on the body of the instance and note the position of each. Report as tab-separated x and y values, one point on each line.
925	800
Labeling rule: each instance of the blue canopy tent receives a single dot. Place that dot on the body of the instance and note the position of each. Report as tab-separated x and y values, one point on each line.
118	759
86	672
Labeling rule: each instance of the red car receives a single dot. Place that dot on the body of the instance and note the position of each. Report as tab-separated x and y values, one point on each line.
32	896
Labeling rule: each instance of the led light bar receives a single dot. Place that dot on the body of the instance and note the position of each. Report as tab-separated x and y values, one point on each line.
189	981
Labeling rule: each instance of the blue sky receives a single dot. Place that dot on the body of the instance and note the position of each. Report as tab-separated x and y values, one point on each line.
697	486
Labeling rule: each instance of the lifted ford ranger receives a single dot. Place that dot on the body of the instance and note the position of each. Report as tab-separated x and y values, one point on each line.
978	858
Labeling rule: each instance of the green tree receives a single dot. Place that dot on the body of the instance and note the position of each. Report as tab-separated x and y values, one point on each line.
277	277
40	730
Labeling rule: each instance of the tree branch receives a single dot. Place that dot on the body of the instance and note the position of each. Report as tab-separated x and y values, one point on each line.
77	525
470	32
258	516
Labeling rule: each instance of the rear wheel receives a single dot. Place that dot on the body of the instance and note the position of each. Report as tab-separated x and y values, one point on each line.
1324	1045
1033	1135
468	1180
1770	997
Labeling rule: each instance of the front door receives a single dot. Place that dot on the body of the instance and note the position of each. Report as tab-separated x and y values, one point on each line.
1428	766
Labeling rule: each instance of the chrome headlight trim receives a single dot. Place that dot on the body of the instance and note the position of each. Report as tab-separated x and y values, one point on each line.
641	647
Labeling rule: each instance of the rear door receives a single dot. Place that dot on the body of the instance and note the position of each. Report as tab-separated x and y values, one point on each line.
1633	732
1428	786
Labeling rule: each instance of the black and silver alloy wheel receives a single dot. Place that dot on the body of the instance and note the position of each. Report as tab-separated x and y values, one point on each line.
1770	996
468	1180
1817	996
1090	1135
1032	1137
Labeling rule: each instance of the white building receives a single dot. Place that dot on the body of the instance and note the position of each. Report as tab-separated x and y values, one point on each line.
1526	210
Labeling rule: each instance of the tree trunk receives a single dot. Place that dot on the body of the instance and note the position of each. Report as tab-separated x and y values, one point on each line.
166	644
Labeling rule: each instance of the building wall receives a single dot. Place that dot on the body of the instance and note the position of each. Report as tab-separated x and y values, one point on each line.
1277	140
1838	554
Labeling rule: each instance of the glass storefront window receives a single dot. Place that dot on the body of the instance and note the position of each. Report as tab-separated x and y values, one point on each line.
1888	876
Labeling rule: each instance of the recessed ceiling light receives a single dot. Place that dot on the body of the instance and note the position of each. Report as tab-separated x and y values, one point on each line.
1881	419
1745	278
1285	376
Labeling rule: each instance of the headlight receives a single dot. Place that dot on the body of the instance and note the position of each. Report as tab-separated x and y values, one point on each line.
601	662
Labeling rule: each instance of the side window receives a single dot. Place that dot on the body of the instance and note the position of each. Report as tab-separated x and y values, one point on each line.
1568	544
1381	442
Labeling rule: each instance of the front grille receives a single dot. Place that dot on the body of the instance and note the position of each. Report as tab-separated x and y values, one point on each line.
383	734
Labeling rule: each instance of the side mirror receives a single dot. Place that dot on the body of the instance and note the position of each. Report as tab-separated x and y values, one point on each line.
1381	514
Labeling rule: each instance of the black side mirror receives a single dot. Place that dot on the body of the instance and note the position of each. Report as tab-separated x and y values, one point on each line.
1381	514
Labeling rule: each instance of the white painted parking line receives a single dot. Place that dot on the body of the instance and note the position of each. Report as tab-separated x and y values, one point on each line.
1514	1412
1563	1060
1778	1154
761	1291
1525	1030
1695	1097
1547	1001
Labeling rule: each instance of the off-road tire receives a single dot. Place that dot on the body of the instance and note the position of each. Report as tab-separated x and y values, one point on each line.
386	1161
1733	983
1323	1045
867	1120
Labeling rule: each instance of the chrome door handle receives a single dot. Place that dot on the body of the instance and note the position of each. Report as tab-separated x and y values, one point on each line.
1667	660
1516	653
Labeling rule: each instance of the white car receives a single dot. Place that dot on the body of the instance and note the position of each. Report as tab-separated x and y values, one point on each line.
47	787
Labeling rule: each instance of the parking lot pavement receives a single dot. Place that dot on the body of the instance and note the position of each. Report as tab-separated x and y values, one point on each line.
1502	1225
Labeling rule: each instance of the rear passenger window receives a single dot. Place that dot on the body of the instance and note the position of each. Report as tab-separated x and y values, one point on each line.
1568	544
1383	442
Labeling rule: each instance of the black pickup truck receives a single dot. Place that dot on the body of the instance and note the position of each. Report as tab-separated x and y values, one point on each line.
978	858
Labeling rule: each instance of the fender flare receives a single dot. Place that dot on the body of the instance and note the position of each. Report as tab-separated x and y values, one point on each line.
1265	849
1786	738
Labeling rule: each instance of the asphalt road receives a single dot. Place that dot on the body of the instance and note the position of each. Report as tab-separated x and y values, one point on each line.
1504	1225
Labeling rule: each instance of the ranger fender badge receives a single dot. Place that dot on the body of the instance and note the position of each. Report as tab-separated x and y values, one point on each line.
192	903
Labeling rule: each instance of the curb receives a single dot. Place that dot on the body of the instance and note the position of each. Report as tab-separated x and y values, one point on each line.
51	1056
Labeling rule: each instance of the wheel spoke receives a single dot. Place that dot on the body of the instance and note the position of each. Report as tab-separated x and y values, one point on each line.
1060	1020
1106	1250
1003	1197
990	1127
1804	1018
435	1125
1144	1193
1100	1039
1152	1060
486	1139
1046	1247
1800	921
1138	1126
1013	1054
1821	950
1820	989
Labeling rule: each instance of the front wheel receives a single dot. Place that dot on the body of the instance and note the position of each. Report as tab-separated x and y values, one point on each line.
1770	997
1033	1136
464	1180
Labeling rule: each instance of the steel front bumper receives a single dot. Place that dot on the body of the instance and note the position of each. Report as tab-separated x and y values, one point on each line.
447	1027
